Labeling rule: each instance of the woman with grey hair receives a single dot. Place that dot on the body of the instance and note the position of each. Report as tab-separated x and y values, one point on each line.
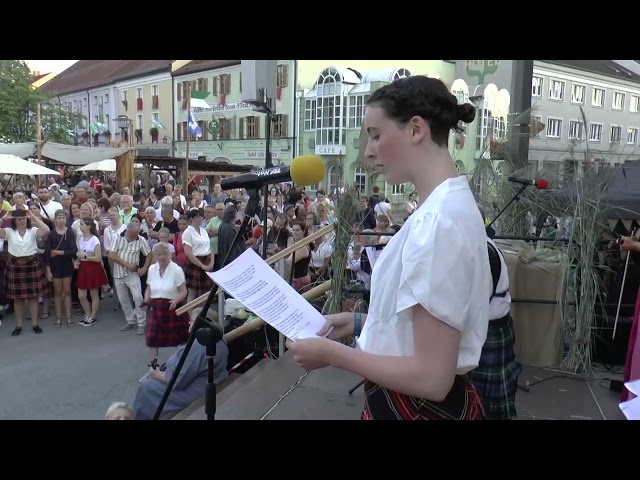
166	290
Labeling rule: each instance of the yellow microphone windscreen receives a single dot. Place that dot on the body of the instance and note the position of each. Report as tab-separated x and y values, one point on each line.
307	170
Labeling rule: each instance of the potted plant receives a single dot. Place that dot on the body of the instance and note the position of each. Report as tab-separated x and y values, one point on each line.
153	131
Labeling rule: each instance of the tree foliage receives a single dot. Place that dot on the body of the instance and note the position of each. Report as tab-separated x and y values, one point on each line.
18	107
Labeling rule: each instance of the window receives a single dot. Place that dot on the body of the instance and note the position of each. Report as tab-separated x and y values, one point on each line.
155	117
154	90
139	122
536	86
106	98
95	99
282	79
356	110
330	109
333	175
124	95
618	101
535	125
84	102
401	73
597	98
139	92
575	130
96	119
634	104
360	180
309	115
595	132
556	90
280	125
554	128
578	93
398	189
461	96
632	135
107	121
615	134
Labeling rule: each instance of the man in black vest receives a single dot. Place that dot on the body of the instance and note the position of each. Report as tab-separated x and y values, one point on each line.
496	377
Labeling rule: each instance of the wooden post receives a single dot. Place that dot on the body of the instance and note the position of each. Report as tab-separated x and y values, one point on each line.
39	140
185	171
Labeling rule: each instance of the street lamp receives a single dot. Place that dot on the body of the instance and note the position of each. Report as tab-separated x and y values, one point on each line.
123	123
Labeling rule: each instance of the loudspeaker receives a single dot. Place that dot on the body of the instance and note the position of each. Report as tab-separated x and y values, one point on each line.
606	349
256	76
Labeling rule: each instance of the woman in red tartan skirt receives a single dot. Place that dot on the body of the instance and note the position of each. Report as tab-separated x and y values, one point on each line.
166	290
91	274
430	286
197	249
24	278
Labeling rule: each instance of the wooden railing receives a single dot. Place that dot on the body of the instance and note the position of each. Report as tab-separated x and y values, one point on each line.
270	261
256	323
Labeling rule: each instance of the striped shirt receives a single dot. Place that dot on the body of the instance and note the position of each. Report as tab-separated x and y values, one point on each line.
129	251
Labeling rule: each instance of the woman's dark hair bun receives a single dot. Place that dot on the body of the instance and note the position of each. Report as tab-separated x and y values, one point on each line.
466	112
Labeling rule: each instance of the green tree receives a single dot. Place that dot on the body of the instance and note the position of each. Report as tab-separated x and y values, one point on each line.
18	106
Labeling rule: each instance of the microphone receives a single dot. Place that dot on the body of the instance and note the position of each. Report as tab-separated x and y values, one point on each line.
304	170
540	183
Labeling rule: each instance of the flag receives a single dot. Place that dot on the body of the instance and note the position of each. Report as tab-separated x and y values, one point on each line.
194	128
157	124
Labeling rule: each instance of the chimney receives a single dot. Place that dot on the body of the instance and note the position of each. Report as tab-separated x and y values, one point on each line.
36	73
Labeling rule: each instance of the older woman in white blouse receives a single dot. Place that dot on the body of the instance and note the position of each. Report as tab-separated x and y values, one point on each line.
197	249
166	290
24	279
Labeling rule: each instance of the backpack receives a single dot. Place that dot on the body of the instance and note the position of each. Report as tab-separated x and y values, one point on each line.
496	270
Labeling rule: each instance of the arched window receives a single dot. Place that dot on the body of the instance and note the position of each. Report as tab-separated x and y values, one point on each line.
333	177
360	180
401	73
330	116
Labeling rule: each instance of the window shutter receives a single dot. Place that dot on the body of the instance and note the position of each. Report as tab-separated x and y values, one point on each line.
240	82
179	92
257	129
241	124
215	86
284	128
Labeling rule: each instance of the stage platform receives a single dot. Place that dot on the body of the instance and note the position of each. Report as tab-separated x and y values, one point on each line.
280	390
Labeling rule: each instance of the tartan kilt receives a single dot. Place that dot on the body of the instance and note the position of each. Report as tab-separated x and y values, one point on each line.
196	278
496	377
24	277
164	327
462	403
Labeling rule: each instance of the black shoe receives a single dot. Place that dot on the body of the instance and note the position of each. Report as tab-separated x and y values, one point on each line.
16	331
37	329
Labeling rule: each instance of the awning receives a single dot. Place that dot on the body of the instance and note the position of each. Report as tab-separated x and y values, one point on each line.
22	150
71	155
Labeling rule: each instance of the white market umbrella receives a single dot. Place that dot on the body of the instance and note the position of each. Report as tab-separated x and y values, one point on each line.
108	165
13	165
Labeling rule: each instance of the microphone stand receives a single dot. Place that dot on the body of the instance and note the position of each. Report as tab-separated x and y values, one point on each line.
209	333
516	197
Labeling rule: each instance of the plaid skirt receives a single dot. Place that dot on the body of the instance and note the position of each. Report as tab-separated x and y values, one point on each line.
496	377
24	277
196	278
462	403
164	327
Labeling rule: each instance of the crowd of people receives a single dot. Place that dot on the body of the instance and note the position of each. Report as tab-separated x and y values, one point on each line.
437	341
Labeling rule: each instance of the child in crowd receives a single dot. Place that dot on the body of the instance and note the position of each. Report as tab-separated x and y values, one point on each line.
119	411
